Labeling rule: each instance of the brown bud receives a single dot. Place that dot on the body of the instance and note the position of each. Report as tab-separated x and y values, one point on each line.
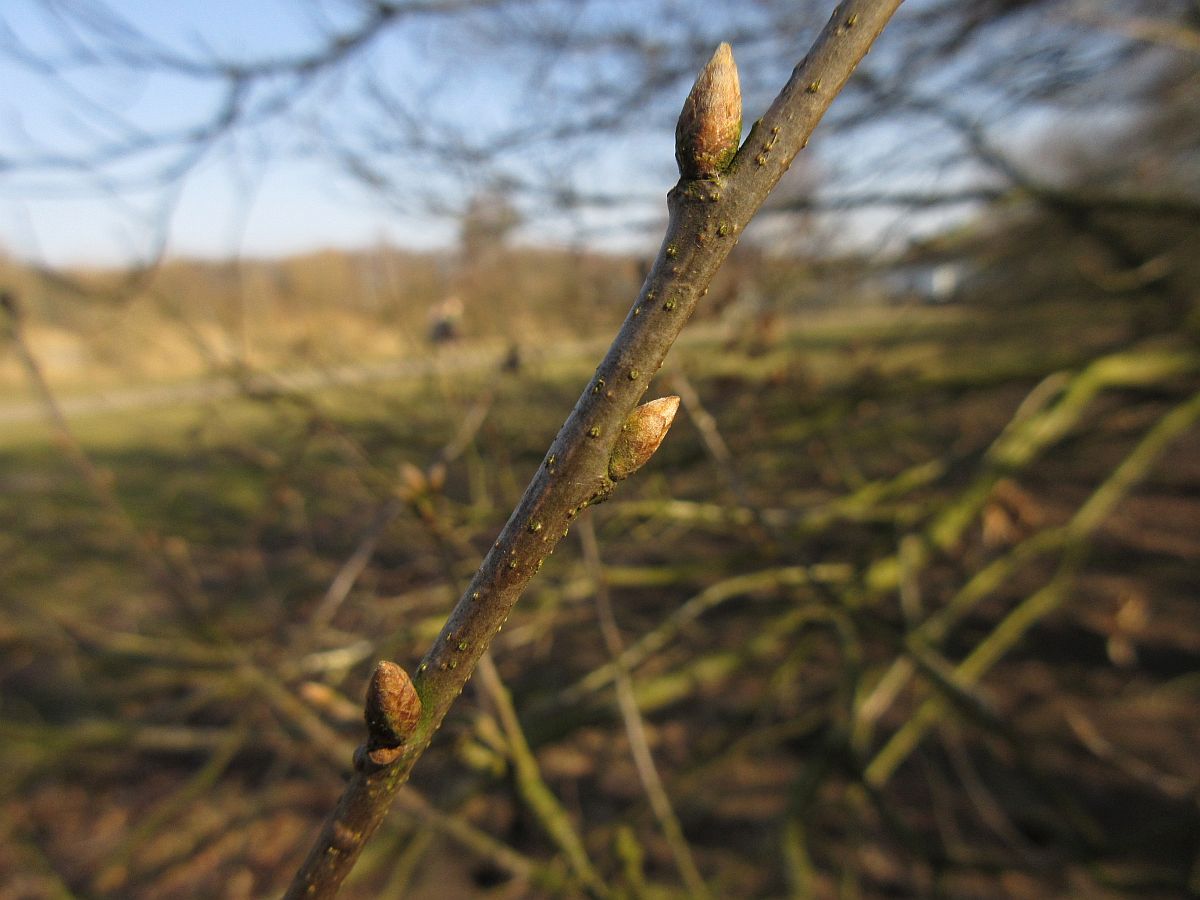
710	126
413	482
640	436
392	707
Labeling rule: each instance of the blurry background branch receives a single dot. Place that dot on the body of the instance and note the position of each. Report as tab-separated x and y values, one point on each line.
373	94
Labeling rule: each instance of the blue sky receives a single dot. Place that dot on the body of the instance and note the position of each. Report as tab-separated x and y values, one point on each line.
284	186
237	200
273	189
279	187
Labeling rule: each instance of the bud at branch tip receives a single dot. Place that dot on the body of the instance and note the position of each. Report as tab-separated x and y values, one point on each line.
710	125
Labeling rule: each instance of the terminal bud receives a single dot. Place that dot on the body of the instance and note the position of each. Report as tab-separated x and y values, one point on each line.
710	126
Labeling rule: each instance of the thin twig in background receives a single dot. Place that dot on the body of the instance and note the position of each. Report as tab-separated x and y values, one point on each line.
1031	433
635	727
710	434
355	564
532	787
765	534
1136	466
651	642
1033	428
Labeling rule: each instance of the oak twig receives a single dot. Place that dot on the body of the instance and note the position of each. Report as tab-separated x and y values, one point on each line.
707	215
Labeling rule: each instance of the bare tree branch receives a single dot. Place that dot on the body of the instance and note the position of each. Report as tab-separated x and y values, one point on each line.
706	218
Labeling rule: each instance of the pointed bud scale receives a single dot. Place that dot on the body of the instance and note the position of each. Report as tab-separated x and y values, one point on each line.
710	126
392	707
640	436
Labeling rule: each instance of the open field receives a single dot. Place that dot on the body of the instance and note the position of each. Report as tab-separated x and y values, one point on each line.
930	628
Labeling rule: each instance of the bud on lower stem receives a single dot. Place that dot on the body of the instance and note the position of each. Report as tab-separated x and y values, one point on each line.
710	126
640	436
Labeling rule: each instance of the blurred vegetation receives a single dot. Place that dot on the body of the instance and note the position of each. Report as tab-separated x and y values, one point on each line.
189	318
928	628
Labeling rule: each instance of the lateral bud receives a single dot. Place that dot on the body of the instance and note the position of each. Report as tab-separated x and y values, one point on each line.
640	436
710	126
392	710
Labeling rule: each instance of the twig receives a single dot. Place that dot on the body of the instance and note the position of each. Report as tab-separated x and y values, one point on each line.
1050	597
740	585
865	504
532	787
115	873
989	810
1175	786
707	215
1029	434
710	434
355	565
357	562
413	850
798	864
635	728
478	842
987	579
934	629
